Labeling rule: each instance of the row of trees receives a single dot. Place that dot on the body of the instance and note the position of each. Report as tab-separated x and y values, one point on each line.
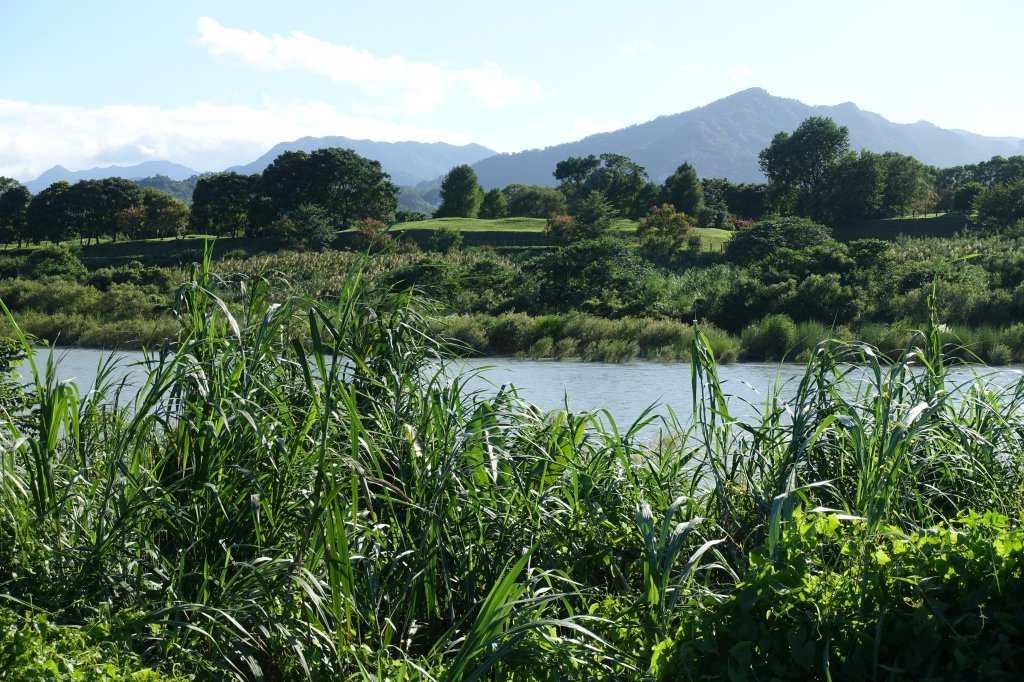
298	193
813	173
88	210
301	197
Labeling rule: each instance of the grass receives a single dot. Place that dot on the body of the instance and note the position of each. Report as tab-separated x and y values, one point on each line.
714	239
477	224
300	490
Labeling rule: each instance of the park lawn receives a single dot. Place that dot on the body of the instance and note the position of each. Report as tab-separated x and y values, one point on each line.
476	224
497	224
714	238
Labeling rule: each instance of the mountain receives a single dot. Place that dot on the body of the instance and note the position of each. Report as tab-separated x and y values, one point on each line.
723	139
408	163
148	169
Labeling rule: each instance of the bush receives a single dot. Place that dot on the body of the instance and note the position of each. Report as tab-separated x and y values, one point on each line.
773	338
35	650
55	261
446	238
941	603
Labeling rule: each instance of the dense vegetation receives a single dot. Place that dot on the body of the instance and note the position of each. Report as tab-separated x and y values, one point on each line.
303	490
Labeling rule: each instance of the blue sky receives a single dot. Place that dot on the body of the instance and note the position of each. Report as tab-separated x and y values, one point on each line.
212	84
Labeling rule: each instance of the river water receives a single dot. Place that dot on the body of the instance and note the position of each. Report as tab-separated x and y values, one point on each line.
625	390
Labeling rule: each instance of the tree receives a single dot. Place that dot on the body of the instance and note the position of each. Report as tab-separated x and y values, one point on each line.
166	216
345	185
307	228
350	187
624	184
460	194
561	229
494	205
965	195
683	190
50	216
534	201
766	237
796	165
572	173
1000	206
664	231
594	216
852	190
94	205
221	203
907	182
14	202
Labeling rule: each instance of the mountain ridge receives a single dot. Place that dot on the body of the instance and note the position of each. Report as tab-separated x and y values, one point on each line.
723	138
720	139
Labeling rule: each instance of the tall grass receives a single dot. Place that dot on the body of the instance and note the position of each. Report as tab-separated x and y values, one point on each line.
297	491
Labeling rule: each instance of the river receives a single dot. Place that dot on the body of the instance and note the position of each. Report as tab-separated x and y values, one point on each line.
625	390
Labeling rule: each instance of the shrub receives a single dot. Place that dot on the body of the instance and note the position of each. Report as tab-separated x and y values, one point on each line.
55	261
446	238
940	603
773	338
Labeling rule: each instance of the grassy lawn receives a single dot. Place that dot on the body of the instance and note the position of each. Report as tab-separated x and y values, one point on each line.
714	239
477	224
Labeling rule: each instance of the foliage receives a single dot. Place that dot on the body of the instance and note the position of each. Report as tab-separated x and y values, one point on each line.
684	191
220	203
593	216
494	205
305	489
1000	206
55	261
838	601
533	201
445	239
308	227
798	164
346	186
461	194
663	231
770	235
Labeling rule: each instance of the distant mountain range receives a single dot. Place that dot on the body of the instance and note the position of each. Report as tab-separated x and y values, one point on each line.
721	139
408	163
724	138
174	171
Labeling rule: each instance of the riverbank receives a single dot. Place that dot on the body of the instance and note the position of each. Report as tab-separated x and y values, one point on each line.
241	516
576	336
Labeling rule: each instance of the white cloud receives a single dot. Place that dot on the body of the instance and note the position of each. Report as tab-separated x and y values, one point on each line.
203	136
741	75
414	87
697	68
638	48
582	127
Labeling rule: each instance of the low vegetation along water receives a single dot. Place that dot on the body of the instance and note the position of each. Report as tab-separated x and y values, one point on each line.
256	510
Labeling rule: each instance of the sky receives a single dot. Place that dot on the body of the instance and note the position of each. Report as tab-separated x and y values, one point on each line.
215	84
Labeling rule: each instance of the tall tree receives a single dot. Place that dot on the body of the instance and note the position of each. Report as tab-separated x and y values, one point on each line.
684	191
594	216
494	205
461	194
797	164
221	202
572	174
50	215
534	201
166	215
14	202
345	185
907	182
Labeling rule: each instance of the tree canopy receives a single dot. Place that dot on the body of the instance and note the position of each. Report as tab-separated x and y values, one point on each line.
461	194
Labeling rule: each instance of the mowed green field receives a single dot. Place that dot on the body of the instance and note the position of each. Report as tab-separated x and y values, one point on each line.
713	238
